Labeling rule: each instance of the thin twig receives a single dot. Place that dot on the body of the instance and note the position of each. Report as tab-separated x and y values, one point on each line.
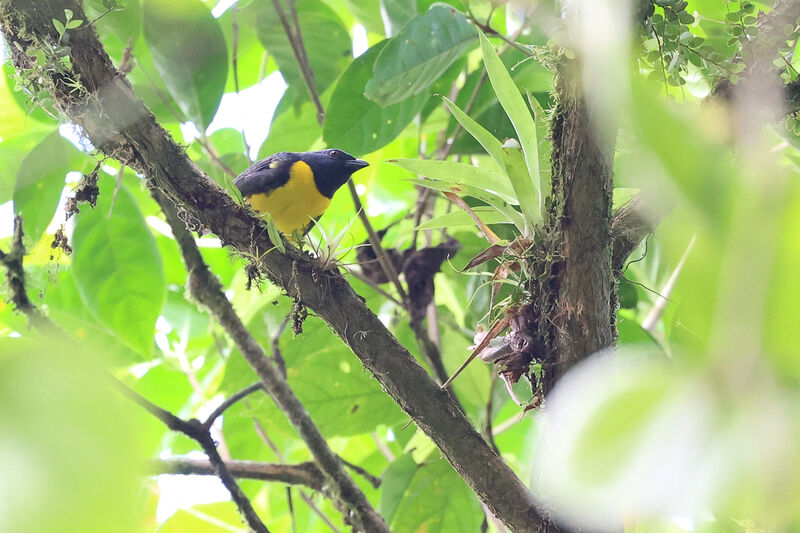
307	473
216	413
299	49
375	481
195	430
375	242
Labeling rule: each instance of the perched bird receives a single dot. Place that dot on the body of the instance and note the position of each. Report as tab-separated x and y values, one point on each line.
296	187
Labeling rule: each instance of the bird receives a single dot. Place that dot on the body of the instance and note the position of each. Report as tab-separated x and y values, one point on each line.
296	188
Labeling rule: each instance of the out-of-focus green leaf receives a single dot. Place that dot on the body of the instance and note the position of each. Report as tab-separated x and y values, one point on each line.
437	501
326	39
489	142
396	14
189	51
367	13
118	269
206	518
510	98
394	482
68	439
416	57
357	124
13	152
461	174
116	28
40	181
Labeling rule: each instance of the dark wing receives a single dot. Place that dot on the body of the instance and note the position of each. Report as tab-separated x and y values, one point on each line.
265	175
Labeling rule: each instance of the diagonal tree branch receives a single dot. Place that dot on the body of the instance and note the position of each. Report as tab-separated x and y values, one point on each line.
117	123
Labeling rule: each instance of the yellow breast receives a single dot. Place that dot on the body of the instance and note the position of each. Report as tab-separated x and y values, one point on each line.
294	205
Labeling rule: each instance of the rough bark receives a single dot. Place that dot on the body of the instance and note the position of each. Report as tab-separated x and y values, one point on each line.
579	297
118	124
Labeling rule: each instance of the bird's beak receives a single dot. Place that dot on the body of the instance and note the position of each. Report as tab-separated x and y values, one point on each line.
356	164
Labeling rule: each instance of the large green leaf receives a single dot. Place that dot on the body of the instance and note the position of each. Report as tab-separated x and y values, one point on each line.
416	57
437	501
188	49
117	268
361	126
328	379
326	39
13	152
40	181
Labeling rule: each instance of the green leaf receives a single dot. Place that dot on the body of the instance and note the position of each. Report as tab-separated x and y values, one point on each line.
358	125
510	98
489	142
461	174
331	384
117	267
59	26
72	24
189	52
416	57
40	181
394	482
326	39
485	196
526	193
437	501
455	219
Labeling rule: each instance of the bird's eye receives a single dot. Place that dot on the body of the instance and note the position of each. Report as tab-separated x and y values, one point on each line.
336	154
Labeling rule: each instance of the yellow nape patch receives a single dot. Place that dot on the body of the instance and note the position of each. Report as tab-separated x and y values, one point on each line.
293	206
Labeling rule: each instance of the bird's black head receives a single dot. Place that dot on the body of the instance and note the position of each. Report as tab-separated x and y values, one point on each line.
332	168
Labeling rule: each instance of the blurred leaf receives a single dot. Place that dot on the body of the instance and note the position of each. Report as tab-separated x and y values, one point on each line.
396	14
416	57
326	39
361	126
206	518
40	181
68	439
251	58
195	75
118	269
367	13
437	501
